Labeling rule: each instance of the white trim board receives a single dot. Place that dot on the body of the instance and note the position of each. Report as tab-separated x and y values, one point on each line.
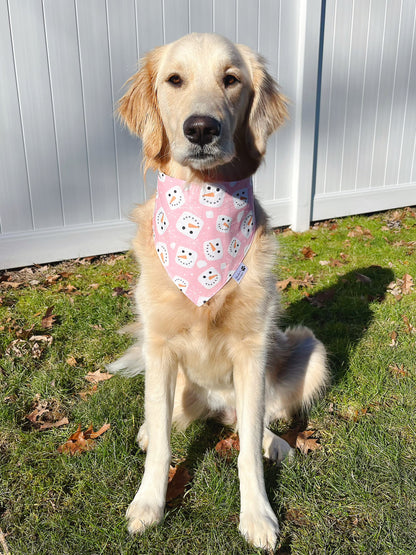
55	244
362	201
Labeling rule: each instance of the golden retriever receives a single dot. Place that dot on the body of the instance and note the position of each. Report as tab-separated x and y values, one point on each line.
204	108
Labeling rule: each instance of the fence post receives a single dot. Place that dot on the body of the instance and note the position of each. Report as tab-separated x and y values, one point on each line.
311	15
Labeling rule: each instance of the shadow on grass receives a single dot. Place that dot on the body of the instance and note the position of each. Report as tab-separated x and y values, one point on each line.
339	315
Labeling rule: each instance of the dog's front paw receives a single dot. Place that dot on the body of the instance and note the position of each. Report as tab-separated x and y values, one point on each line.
141	514
261	529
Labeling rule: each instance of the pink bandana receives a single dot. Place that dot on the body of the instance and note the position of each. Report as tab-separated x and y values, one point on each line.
203	232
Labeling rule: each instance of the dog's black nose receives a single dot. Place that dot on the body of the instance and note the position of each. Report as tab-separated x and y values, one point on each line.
201	130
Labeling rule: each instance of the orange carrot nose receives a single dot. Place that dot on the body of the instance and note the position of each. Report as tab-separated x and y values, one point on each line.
162	218
182	256
212	247
194	226
213	277
209	195
249	222
162	257
226	225
172	200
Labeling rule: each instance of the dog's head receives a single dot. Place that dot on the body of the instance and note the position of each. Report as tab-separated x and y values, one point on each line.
202	102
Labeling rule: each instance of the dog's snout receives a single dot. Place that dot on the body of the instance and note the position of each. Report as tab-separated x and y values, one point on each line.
201	130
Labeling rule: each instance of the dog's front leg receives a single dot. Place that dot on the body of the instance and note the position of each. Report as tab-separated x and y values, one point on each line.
148	504
258	523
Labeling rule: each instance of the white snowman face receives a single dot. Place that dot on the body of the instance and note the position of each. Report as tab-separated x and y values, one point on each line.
248	225
185	257
162	221
240	198
175	198
213	249
224	223
210	278
189	225
162	252
161	176
212	195
180	283
234	247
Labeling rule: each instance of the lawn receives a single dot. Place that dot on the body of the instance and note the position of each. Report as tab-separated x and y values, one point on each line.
354	491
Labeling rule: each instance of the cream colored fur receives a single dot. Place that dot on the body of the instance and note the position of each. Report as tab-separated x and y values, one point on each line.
226	359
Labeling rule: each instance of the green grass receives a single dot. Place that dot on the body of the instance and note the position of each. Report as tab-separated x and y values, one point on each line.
354	495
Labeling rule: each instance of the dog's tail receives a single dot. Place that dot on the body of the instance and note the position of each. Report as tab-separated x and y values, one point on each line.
132	362
299	376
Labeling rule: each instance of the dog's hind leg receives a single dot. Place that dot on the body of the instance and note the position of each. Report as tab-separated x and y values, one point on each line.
275	448
296	372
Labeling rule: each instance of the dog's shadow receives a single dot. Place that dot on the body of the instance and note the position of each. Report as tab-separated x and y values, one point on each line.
339	315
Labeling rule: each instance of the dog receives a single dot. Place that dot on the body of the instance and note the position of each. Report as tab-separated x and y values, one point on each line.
204	108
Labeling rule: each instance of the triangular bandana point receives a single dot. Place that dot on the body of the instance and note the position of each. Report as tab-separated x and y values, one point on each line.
202	232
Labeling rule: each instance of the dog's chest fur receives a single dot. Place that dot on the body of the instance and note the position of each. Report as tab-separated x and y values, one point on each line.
204	339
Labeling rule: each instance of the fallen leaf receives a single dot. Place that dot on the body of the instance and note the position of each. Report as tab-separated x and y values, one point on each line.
226	447
58	424
120	292
407	284
179	478
49	319
46	414
305	443
94	286
393	337
397	370
295	283
359	231
80	441
72	361
301	440
88	392
308	253
97	376
410	328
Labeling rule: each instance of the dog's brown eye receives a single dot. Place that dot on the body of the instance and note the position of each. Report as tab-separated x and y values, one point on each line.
230	80
175	80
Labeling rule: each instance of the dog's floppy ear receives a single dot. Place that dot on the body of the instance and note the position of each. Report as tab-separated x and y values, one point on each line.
268	108
138	109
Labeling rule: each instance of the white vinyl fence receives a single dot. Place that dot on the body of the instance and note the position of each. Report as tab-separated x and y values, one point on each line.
70	174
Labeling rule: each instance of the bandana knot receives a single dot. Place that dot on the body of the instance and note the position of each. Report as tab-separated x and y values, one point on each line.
203	232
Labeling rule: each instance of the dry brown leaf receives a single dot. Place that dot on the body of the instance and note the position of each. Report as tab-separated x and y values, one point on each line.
407	284
49	319
359	231
305	443
295	283
72	361
226	447
410	328
397	370
179	478
80	441
58	424
393	337
97	376
87	392
308	253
